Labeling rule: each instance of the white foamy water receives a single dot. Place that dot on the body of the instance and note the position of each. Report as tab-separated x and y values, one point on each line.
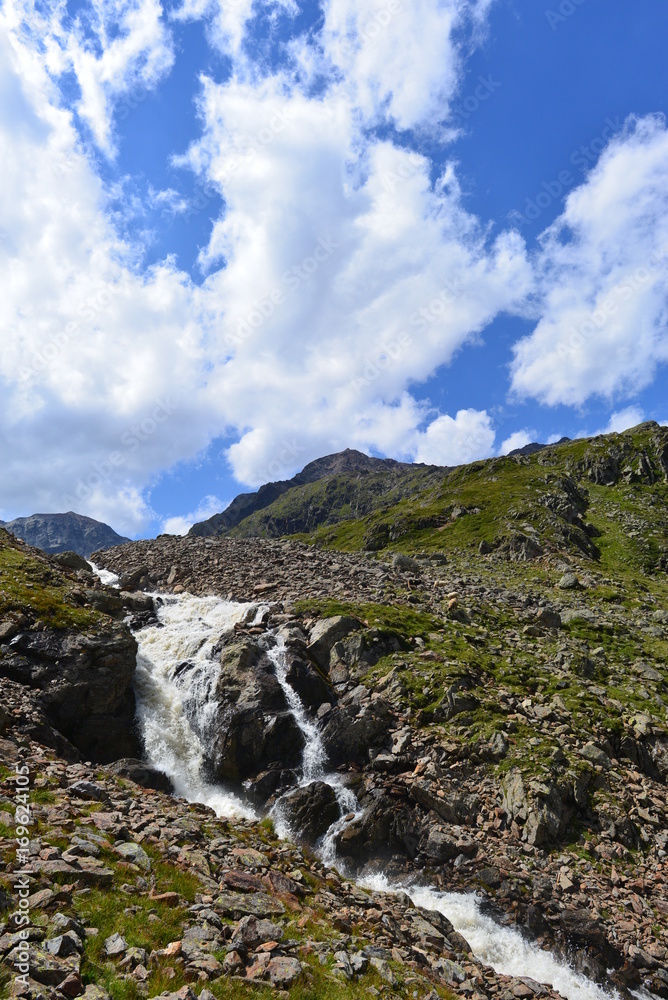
174	683
105	575
314	761
502	948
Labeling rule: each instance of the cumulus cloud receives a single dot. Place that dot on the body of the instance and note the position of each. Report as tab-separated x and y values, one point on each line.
181	525
519	439
456	440
603	274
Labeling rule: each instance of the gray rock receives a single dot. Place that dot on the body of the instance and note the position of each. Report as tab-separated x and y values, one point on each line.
325	633
135	854
549	618
597	756
569	581
251	932
88	790
310	810
141	774
115	945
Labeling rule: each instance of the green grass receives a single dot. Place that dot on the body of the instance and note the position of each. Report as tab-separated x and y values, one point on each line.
29	585
402	620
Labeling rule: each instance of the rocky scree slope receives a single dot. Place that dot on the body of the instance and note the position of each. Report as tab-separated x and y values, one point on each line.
64	533
136	894
502	723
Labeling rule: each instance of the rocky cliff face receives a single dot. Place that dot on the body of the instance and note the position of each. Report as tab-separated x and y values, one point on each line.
64	533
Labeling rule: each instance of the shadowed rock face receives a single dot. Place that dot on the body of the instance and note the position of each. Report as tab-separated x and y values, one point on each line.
84	684
68	532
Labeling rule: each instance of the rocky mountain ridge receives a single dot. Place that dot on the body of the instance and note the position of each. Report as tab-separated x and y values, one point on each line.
68	532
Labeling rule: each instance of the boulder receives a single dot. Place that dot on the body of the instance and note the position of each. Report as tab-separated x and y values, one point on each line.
310	810
142	774
84	684
254	727
325	633
251	932
307	681
72	560
352	729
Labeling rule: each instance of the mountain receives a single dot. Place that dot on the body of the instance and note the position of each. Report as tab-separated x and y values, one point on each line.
68	532
330	489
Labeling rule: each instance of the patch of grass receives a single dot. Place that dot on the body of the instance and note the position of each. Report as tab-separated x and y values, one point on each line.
397	618
29	585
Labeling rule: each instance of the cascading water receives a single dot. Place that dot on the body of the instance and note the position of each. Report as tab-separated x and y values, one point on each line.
175	680
314	761
176	677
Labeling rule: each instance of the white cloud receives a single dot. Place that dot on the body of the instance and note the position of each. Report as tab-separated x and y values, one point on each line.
519	439
181	525
349	277
622	420
456	441
118	50
603	269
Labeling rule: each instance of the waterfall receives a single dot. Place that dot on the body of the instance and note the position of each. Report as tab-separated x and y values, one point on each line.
314	762
174	683
176	677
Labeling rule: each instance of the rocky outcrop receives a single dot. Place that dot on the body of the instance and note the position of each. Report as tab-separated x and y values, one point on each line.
254	726
84	684
310	810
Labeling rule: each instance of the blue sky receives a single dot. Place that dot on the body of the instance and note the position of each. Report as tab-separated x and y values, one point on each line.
239	235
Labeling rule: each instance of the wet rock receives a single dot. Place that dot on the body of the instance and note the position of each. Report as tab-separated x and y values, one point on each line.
352	729
310	810
308	682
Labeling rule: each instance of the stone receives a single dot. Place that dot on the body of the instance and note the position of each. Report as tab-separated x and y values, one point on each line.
89	790
135	854
310	810
115	945
251	932
142	774
597	756
568	581
549	618
257	904
325	633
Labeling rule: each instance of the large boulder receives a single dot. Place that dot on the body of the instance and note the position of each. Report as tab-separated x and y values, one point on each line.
255	727
326	633
84	684
142	774
310	810
307	681
359	723
384	828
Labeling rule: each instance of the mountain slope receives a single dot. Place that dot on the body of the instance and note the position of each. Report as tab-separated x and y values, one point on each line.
347	484
68	532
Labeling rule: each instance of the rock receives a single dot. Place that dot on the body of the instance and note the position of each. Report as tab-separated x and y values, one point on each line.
454	807
384	970
548	618
325	633
351	729
310	810
72	560
251	932
254	727
597	756
308	682
439	845
115	945
405	564
84	684
256	904
89	790
135	854
569	581
141	774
